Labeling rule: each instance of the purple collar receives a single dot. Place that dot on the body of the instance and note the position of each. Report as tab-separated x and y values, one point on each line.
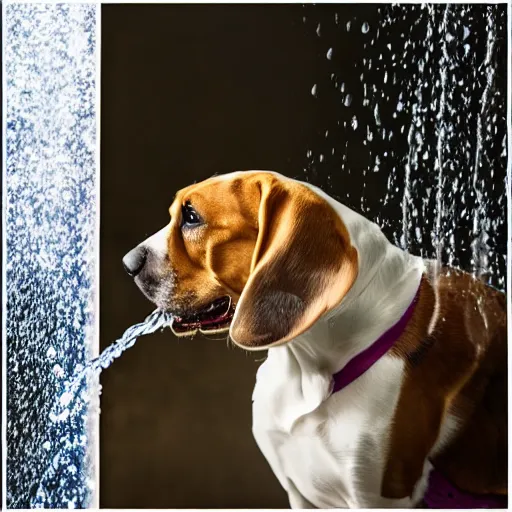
441	493
368	357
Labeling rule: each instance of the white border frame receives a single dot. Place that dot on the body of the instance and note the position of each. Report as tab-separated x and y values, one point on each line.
508	185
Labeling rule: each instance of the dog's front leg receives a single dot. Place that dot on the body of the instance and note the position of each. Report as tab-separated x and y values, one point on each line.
268	443
296	499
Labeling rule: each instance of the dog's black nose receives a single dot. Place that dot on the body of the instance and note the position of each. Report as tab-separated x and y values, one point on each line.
134	260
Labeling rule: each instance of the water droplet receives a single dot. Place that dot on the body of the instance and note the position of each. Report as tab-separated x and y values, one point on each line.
65	398
58	371
377	114
365	28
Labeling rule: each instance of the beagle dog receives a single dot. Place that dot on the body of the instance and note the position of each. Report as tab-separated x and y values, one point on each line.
385	383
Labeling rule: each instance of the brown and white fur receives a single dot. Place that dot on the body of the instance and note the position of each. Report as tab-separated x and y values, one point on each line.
315	284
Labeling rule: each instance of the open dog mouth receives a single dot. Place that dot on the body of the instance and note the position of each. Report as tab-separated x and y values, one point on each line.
214	318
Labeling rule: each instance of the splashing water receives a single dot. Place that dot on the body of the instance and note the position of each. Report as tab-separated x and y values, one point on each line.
432	83
80	393
479	246
441	133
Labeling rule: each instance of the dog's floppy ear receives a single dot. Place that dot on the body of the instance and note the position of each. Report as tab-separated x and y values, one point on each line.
303	265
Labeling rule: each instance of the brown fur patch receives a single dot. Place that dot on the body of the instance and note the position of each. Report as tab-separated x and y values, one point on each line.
303	248
460	368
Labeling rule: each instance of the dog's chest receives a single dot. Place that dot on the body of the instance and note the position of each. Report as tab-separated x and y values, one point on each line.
334	455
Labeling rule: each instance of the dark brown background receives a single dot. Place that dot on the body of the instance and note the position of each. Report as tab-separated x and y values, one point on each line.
193	90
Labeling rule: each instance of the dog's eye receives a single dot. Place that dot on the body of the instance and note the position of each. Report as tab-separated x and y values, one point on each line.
189	217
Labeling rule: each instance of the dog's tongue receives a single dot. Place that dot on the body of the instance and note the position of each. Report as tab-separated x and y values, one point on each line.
213	316
217	309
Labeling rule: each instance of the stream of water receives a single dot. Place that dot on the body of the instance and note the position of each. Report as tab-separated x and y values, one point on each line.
60	482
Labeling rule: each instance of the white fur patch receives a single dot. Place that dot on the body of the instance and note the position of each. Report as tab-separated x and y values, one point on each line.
334	455
157	243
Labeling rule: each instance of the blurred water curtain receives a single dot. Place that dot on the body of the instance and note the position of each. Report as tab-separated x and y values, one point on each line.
431	140
51	210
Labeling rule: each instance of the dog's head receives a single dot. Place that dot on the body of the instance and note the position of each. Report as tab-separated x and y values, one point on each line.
265	243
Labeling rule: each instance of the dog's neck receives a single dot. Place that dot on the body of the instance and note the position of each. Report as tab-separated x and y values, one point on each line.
387	282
